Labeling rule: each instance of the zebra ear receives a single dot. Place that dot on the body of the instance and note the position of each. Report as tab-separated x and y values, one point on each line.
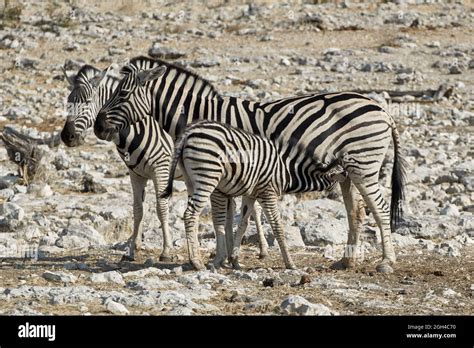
150	74
69	79
97	79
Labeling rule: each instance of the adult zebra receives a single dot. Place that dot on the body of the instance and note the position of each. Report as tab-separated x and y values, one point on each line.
90	89
308	131
144	147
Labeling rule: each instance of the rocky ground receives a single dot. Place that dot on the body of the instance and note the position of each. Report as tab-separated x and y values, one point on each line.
72	219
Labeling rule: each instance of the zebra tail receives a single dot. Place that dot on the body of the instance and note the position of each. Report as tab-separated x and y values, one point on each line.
398	182
178	151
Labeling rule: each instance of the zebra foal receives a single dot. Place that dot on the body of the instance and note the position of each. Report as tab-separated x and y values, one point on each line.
219	162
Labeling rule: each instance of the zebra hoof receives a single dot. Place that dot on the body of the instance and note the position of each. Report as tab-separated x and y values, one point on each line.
384	268
127	258
234	261
220	262
165	258
291	266
343	264
198	265
262	256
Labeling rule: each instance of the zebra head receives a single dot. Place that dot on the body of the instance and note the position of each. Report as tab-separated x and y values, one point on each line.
129	103
82	103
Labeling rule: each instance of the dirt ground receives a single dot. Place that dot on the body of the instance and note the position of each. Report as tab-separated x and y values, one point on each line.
415	288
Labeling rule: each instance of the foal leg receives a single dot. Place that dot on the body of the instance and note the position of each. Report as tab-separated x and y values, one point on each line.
219	205
257	215
247	204
269	203
162	209
229	226
138	188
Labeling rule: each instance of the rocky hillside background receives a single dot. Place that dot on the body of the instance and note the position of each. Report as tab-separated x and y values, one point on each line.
73	217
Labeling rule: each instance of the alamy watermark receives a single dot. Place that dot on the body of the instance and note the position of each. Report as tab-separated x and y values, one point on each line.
21	251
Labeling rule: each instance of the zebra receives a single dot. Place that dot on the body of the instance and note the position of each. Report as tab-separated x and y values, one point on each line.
90	89
307	130
218	161
144	147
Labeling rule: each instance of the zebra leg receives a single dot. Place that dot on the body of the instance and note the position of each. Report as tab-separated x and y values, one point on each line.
247	204
257	215
162	209
229	226
191	219
374	199
219	206
269	203
355	216
138	188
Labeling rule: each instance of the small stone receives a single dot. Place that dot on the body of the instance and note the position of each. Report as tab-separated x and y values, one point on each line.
116	308
285	62
297	305
450	210
61	277
205	62
305	279
107	277
158	51
455	69
12	211
26	63
269	282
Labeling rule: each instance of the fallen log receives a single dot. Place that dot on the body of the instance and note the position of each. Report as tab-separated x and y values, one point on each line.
25	151
434	94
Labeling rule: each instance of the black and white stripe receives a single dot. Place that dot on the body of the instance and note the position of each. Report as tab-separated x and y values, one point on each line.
143	146
309	132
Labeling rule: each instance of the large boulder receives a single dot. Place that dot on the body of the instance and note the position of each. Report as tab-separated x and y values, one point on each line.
325	230
80	235
297	305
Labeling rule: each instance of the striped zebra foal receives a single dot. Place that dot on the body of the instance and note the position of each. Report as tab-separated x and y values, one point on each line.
143	146
218	162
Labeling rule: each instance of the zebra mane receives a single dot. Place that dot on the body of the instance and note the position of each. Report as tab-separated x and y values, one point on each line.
150	63
85	74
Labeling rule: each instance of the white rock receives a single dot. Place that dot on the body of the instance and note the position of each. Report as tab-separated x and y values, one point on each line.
326	230
153	284
404	241
285	62
78	234
449	293
450	210
293	237
297	305
61	277
12	211
144	272
116	308
107	277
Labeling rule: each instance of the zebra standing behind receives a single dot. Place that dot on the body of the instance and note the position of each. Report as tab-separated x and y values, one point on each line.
218	162
143	146
308	131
